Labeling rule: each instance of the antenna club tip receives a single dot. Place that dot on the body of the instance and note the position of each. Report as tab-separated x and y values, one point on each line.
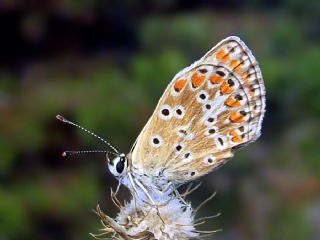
60	118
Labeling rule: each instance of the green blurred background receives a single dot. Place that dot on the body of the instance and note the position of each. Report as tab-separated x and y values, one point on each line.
104	65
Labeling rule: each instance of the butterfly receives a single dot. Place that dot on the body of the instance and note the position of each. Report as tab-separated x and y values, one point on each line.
208	111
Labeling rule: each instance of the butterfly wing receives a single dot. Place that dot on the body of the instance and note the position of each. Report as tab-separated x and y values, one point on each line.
209	110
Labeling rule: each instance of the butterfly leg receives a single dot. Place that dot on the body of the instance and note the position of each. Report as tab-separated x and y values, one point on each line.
167	187
145	191
118	188
135	191
141	186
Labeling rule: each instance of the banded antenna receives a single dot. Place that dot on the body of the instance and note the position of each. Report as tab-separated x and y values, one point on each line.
66	153
69	153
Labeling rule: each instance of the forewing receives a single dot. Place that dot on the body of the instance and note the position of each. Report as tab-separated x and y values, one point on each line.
209	110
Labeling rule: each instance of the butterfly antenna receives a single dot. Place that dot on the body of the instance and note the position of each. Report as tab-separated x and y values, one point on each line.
69	153
63	119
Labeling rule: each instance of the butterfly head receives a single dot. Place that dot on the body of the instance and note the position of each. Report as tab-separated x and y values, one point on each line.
118	164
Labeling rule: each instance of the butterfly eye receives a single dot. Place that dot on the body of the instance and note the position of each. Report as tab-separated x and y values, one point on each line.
165	112
179	112
156	141
120	165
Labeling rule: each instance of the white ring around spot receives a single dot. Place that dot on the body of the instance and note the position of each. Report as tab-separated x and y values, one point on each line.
179	108
207	160
165	117
206	96
155	144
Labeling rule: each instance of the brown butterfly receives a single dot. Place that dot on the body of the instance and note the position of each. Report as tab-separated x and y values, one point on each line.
209	110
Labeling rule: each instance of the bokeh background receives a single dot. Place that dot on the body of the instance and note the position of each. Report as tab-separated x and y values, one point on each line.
104	64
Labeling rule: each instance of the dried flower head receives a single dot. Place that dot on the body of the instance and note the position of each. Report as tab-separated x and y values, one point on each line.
173	219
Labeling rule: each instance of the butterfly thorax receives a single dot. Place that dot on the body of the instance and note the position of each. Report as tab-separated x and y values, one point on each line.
149	186
147	189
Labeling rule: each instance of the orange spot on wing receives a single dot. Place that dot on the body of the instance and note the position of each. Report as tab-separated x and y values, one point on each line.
252	91
231	102
216	79
234	63
239	69
222	55
245	76
179	84
233	133
235	137
225	88
197	80
236	117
